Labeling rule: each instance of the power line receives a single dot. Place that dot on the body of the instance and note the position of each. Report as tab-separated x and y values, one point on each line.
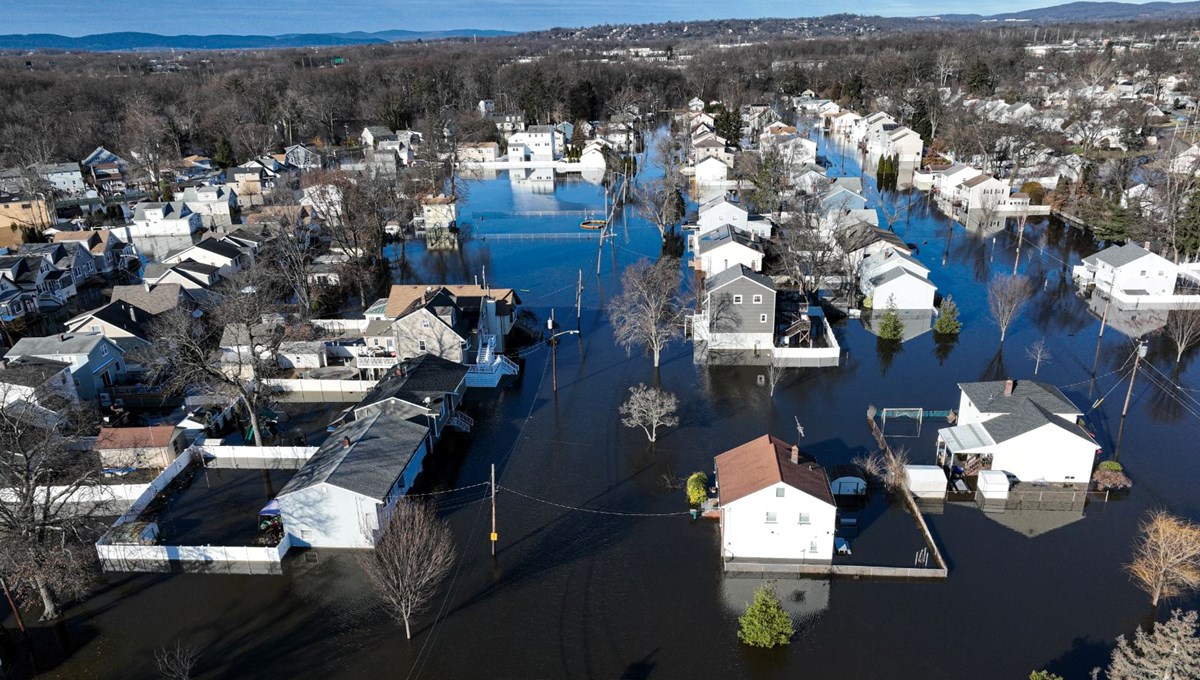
593	510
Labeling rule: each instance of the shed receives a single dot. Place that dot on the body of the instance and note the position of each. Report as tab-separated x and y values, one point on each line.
926	481
993	485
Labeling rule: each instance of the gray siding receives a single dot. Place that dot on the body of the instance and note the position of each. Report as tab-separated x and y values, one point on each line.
729	317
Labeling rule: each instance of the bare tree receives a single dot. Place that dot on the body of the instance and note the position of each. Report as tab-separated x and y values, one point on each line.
1166	561
176	662
414	553
649	311
1183	328
775	372
1007	298
145	136
650	408
660	202
897	473
231	348
1039	354
46	534
1170	650
873	465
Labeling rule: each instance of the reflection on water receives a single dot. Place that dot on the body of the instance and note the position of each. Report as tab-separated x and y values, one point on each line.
803	598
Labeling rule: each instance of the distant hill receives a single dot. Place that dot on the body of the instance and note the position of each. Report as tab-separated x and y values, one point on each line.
1089	11
113	42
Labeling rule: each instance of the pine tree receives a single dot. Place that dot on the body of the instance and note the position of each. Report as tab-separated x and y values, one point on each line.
765	623
890	326
948	323
224	155
1170	650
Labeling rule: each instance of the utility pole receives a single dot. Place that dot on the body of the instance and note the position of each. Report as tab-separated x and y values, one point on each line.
553	351
1141	352
579	300
493	510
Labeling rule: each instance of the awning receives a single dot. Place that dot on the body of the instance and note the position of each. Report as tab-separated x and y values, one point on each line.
966	437
270	509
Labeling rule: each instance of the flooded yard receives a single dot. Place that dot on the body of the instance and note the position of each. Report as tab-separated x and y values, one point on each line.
600	573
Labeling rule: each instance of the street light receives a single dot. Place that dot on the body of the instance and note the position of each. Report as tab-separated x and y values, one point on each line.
554	347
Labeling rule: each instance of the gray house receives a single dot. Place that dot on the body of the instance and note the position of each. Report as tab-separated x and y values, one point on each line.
738	312
97	363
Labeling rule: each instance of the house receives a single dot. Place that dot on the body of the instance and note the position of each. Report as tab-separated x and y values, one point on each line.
478	152
37	276
426	387
214	205
1026	428
227	257
720	211
893	277
433	325
97	363
64	178
165	219
1129	268
119	321
19	212
595	155
41	382
538	142
488	311
101	243
196	278
695	105
947	180
843	122
70	257
154	299
775	504
904	144
839	199
726	247
303	158
711	170
374	134
344	493
738	312
154	446
981	192
860	240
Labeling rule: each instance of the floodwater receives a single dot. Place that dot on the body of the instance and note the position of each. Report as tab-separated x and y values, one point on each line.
577	592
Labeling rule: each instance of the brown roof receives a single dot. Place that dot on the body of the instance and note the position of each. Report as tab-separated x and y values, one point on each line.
976	181
85	235
401	299
764	462
157	436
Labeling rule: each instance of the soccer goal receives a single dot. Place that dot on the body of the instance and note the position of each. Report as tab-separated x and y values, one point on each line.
901	422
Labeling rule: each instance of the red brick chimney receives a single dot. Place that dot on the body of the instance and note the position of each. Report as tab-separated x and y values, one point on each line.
1009	386
345	442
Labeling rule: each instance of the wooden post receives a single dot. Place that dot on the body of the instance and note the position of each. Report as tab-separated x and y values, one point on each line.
493	537
13	606
579	300
1133	376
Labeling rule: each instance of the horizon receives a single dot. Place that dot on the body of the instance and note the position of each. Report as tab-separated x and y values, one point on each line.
76	18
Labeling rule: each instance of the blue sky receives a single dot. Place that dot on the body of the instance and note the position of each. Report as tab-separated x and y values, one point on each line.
271	17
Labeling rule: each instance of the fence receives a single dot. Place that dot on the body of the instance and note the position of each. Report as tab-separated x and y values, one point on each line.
531	236
846	570
340	325
215	559
321	390
255	457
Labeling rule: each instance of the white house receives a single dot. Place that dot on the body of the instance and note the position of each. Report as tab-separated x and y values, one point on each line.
346	491
775	503
711	170
726	247
982	192
595	155
718	212
1129	268
905	144
64	177
538	141
226	257
165	219
892	276
1026	428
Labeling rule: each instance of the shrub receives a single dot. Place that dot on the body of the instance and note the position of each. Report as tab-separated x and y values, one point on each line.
947	322
1036	192
1044	675
1112	465
697	488
765	623
890	326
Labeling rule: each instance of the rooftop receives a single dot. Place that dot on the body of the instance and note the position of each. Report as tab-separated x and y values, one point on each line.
764	462
990	397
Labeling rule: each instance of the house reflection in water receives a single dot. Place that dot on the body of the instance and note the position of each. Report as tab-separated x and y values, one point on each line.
803	598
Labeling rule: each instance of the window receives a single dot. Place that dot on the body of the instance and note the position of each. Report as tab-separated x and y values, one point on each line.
104	350
421	345
779	492
737	299
804	519
95	329
425	323
305	534
762	318
1143	272
757	299
770	518
812	547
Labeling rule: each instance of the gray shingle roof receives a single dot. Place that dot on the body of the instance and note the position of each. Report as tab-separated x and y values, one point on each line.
1118	256
71	343
733	273
728	234
160	298
381	446
989	396
1027	418
31	372
427	375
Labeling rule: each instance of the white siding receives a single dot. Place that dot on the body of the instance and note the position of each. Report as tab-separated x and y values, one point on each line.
748	535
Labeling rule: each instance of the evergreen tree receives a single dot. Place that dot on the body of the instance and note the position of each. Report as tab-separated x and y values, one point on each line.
948	323
890	326
1170	650
765	623
224	155
1187	237
697	488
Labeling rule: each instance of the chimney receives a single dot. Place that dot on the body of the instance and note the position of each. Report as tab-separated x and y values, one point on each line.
146	285
1146	245
133	313
345	442
795	455
1009	385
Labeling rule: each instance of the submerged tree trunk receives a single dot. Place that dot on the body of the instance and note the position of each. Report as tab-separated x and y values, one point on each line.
50	606
407	629
258	440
